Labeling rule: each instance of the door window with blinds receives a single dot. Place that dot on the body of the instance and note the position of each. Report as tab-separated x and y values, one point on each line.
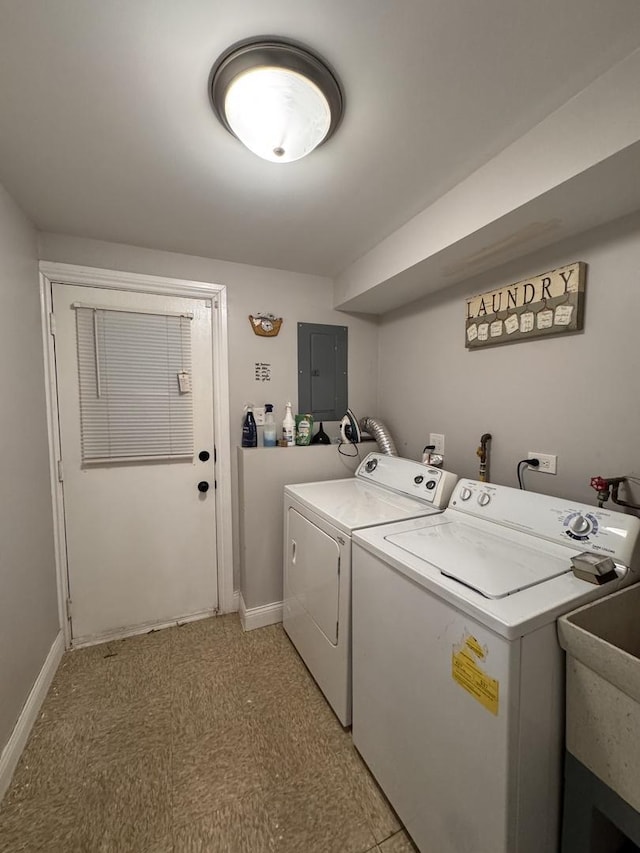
135	385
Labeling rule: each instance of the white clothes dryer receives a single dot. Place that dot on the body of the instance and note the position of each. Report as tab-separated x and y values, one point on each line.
319	519
458	677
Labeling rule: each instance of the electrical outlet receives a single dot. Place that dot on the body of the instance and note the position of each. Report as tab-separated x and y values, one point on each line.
548	462
259	415
437	439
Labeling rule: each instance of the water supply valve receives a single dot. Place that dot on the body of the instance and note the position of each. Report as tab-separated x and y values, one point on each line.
602	487
608	487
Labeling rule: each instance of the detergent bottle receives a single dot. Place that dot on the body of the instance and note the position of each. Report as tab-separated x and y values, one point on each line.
249	428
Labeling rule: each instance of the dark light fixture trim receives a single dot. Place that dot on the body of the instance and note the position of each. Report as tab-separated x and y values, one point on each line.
271	51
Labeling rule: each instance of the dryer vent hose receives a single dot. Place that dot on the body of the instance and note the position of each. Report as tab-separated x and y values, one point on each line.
381	434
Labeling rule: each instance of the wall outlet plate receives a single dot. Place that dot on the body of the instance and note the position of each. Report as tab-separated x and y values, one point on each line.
548	462
437	439
259	415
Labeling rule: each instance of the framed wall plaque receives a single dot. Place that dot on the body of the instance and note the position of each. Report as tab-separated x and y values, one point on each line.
548	304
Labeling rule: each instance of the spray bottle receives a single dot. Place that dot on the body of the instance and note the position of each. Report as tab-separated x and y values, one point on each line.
289	428
269	430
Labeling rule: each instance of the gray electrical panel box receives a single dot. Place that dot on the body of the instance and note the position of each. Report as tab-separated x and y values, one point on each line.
322	370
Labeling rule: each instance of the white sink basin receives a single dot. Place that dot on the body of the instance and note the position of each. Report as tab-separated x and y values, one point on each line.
602	641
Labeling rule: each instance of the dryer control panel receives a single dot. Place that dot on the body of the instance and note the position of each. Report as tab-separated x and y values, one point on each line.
579	526
407	477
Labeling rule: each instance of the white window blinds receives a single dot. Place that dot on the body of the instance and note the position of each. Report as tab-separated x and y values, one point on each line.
135	384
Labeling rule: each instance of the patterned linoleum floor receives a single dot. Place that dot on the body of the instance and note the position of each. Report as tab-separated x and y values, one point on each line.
198	738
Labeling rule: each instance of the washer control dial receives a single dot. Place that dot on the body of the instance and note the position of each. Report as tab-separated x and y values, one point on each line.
371	465
465	494
430	484
484	498
418	479
581	527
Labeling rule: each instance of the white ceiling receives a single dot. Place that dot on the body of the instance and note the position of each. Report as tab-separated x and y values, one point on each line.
106	130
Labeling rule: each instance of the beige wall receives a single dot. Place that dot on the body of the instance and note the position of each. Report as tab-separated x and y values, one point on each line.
263	474
28	599
250	290
576	396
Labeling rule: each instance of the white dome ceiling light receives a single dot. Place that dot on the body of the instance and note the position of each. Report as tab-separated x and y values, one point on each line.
276	97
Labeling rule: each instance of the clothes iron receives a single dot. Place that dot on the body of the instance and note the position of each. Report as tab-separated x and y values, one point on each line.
349	429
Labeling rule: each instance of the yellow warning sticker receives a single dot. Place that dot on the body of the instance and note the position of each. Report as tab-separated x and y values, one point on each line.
474	646
475	680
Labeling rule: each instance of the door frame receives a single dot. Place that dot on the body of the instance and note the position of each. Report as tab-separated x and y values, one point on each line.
60	273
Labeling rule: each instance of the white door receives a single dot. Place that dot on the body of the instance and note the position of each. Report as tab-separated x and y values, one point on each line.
140	529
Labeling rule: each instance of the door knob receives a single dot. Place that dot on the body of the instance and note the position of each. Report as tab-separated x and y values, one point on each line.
203	486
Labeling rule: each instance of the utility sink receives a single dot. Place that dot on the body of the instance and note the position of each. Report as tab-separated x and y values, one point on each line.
602	641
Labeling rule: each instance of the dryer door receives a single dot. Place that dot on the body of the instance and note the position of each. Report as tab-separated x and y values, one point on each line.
312	577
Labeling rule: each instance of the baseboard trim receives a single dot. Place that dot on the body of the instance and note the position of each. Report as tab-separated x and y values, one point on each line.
16	743
145	628
260	617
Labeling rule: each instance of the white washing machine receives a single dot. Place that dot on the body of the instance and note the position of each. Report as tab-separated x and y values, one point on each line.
319	519
458	678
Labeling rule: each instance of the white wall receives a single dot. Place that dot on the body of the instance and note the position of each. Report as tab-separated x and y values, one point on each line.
576	396
295	297
28	599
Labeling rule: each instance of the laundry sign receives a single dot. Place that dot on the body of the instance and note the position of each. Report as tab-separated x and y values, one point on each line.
548	304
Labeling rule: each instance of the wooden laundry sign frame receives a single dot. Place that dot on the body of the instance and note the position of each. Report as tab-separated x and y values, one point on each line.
548	304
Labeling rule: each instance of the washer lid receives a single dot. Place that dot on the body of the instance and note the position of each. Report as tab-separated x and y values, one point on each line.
495	566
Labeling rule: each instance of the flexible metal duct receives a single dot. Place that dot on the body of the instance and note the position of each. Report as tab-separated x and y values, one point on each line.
381	434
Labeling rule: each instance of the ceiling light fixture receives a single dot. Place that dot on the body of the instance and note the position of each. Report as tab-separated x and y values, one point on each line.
277	97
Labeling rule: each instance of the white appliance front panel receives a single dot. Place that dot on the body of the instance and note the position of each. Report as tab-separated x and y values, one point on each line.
316	515
481	560
445	761
461	727
314	573
320	633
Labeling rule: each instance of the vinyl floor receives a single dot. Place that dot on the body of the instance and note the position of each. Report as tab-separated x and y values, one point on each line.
194	739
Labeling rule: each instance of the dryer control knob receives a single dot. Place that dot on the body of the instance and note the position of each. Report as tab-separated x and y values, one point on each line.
371	465
465	494
580	525
484	498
